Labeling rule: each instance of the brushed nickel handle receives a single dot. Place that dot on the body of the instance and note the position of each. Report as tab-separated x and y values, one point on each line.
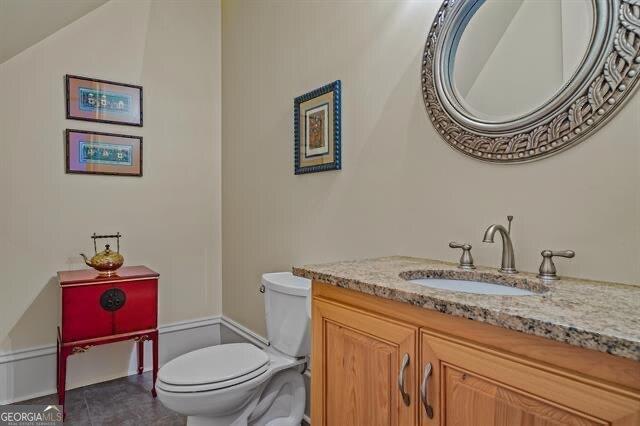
561	253
464	246
547	269
424	390
403	368
466	261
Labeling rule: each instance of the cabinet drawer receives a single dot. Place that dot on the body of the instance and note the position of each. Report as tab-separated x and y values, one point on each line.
82	315
139	311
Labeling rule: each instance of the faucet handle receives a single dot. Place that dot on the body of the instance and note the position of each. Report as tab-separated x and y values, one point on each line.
547	267
466	261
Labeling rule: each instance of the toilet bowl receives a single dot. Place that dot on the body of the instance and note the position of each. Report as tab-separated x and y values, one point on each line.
239	383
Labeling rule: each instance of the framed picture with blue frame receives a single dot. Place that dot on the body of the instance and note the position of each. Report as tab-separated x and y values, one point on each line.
317	130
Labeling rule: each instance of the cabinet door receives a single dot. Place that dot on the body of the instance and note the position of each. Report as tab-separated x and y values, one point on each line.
470	386
139	311
82	315
357	364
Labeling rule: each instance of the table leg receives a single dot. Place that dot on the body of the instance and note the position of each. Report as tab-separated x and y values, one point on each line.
154	342
57	365
63	354
140	356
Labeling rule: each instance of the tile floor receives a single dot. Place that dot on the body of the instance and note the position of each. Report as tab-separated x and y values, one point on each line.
124	401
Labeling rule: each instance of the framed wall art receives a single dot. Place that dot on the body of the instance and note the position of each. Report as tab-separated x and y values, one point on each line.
103	153
103	101
317	130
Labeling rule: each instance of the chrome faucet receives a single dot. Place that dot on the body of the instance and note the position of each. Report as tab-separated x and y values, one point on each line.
508	257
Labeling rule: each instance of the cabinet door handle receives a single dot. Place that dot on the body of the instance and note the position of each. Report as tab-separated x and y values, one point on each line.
424	390
403	368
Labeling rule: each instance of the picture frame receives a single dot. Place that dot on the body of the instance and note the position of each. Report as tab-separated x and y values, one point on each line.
317	130
103	101
98	153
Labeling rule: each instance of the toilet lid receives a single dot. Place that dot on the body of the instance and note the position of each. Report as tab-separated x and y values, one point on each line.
221	363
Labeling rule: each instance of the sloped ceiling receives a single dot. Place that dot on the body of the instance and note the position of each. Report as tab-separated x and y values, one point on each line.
24	23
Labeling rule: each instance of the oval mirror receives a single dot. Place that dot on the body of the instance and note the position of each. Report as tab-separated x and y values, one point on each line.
505	40
518	80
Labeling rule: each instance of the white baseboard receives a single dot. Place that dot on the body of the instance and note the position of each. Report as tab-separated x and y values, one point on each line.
244	332
30	373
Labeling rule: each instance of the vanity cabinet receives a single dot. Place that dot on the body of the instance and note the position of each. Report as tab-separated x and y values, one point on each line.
470	374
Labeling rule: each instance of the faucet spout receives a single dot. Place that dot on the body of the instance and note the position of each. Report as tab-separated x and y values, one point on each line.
508	265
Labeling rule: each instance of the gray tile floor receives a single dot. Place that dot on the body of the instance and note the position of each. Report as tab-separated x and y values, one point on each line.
125	401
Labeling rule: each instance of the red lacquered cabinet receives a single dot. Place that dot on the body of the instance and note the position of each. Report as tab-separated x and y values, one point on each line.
96	310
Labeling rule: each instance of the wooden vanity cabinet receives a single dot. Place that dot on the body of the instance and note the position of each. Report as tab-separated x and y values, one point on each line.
480	375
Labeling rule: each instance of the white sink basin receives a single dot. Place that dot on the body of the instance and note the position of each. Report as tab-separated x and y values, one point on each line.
475	287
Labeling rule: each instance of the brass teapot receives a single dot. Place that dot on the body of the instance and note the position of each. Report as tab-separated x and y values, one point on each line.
106	262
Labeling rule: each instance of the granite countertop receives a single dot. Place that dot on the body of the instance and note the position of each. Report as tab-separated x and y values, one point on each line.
595	315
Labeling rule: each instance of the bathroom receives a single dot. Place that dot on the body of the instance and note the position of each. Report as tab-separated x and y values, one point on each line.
222	198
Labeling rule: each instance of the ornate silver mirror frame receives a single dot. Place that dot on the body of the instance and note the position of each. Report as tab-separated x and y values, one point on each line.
605	79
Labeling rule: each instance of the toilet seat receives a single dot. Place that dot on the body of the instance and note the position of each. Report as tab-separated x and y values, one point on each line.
212	368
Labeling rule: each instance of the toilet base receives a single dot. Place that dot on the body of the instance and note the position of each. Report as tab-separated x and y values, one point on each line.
280	402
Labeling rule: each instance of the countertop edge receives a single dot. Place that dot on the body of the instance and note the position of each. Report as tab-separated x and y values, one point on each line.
616	346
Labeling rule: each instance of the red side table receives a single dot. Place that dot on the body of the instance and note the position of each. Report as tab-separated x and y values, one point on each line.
97	310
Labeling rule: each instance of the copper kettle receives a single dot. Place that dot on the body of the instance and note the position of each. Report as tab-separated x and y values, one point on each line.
107	262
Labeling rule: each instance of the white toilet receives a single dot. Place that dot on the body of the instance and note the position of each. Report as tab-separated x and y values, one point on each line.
239	383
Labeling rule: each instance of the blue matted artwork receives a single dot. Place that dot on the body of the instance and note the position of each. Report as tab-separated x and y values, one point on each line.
104	153
92	100
317	130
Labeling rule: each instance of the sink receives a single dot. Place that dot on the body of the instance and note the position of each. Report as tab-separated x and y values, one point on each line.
476	282
475	287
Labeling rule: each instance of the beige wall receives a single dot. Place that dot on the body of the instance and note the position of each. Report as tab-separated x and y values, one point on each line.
402	190
170	218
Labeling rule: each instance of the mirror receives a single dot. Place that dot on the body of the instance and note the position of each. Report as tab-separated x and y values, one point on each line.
510	81
544	40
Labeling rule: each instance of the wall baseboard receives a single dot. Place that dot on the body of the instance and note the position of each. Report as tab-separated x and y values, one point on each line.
244	332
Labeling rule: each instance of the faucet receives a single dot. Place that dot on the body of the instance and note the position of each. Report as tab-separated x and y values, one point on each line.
508	257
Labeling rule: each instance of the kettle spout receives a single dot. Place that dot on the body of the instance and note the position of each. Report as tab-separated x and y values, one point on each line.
85	259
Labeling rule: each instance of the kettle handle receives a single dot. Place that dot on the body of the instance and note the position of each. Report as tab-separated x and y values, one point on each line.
96	237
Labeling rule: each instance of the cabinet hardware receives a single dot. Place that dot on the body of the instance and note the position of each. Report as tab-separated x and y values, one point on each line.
113	299
424	390
403	368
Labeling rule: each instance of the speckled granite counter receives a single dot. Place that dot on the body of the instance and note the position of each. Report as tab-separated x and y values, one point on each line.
594	315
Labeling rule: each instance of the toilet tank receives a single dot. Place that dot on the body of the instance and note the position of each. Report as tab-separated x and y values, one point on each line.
287	308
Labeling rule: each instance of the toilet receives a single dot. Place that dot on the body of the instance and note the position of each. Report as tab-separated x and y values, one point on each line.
240	384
